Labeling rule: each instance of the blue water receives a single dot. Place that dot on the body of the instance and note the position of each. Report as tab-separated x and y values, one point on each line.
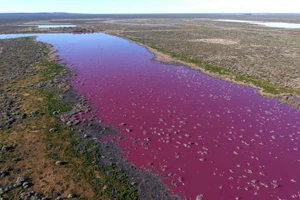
268	24
53	26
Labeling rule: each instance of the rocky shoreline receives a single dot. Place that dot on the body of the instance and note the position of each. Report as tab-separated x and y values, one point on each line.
84	134
149	185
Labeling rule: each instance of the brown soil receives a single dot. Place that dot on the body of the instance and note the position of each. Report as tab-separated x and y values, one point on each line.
31	141
266	53
56	157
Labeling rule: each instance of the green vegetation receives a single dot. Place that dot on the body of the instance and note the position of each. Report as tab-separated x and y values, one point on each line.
267	87
54	101
112	183
51	70
49	154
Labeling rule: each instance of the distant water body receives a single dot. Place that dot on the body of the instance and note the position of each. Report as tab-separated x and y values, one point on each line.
268	24
53	26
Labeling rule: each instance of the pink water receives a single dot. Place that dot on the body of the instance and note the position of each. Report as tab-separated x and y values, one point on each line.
200	134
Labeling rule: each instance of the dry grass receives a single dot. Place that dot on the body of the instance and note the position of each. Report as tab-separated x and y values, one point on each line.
38	149
216	41
31	139
268	54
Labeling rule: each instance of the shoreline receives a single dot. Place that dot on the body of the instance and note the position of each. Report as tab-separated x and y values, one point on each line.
286	98
88	132
67	147
290	98
147	183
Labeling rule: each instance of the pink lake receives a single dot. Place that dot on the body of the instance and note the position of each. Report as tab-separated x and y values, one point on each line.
202	135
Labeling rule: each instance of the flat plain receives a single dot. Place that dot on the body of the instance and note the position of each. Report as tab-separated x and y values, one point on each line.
265	57
254	55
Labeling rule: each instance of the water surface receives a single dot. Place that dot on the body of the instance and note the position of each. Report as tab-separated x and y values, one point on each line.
200	134
268	24
52	26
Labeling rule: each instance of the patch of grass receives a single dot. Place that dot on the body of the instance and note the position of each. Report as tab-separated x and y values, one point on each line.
293	39
53	155
27	39
54	101
50	70
113	182
266	86
79	174
107	182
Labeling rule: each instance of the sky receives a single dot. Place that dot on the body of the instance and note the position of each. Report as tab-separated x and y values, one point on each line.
152	6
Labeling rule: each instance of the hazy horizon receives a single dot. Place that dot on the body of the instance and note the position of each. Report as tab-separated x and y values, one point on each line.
151	7
237	13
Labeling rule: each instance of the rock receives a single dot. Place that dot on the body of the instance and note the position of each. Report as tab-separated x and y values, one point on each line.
9	169
49	146
10	121
76	122
51	191
59	162
128	130
69	123
52	130
20	181
32	196
199	197
3	174
26	185
63	118
133	183
23	116
71	196
17	171
34	113
16	159
55	112
4	148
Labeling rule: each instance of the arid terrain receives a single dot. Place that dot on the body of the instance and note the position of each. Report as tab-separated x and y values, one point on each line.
266	57
45	149
45	153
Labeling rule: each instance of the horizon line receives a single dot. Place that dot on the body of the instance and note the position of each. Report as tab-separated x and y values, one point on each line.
146	13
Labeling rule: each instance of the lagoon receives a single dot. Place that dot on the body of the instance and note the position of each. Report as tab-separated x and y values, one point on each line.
52	26
201	135
268	24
